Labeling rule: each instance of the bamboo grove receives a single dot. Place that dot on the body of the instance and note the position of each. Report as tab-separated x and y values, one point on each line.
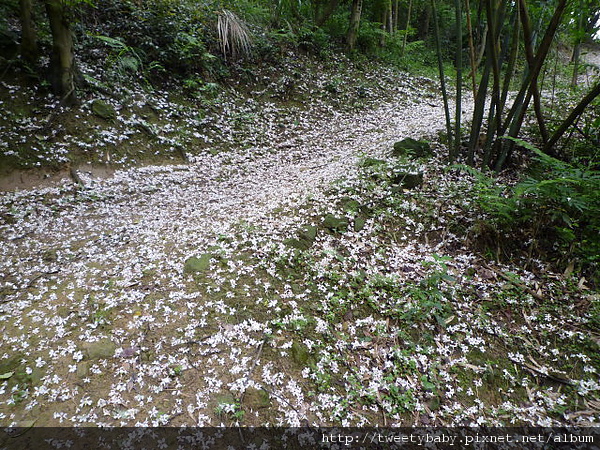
506	34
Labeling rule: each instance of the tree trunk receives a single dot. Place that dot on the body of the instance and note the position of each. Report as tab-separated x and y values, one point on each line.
471	48
537	101
384	20
424	21
62	60
407	26
438	48
514	121
575	61
575	113
577	47
354	23
478	112
29	49
327	12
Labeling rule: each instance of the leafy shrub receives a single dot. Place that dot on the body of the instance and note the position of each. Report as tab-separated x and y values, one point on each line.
556	207
167	35
315	40
122	58
369	37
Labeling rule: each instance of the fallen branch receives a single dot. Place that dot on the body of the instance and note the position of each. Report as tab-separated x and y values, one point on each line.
514	282
254	364
31	283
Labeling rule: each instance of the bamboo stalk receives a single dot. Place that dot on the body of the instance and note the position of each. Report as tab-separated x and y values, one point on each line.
458	110
471	49
438	47
515	117
575	113
407	25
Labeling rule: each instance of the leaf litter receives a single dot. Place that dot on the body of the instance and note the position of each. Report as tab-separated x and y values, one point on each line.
389	319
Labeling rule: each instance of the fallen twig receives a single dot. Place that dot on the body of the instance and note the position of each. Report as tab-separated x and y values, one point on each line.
254	364
514	282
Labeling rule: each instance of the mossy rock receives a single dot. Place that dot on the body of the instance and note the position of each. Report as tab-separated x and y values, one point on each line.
308	234
102	349
408	180
221	400
50	255
256	399
305	239
103	110
296	243
225	398
434	403
83	369
413	148
197	264
359	223
300	354
336	224
13	371
146	128
372	162
351	205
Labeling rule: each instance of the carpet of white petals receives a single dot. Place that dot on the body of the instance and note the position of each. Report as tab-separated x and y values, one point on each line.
101	326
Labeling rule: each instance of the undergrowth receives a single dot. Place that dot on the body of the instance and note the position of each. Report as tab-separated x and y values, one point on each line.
552	212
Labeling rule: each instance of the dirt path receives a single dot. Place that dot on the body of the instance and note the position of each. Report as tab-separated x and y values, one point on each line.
189	205
171	295
87	272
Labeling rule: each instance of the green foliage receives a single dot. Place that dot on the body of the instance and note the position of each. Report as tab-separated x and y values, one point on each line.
122	58
556	206
417	57
491	197
429	296
313	39
165	37
369	37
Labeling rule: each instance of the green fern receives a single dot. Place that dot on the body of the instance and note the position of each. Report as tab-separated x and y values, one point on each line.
557	204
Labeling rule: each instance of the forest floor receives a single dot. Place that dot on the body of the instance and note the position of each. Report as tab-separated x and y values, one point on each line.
291	281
